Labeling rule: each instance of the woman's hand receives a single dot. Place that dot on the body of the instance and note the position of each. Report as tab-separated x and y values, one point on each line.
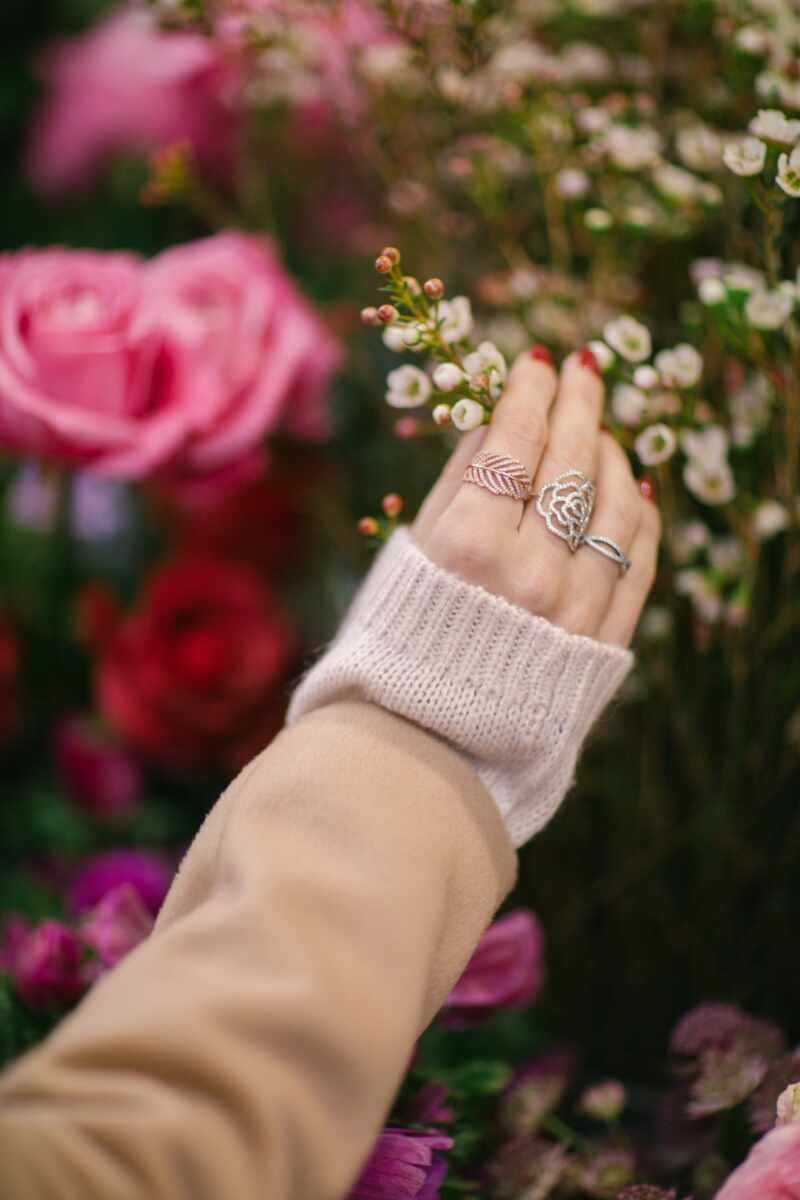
551	424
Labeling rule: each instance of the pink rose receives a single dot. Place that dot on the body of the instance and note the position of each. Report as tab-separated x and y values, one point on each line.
179	365
128	85
97	773
771	1171
47	966
262	355
116	926
506	970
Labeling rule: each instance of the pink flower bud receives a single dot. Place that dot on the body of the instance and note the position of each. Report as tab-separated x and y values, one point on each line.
433	288
406	428
392	253
369	316
387	313
392	504
368	526
47	966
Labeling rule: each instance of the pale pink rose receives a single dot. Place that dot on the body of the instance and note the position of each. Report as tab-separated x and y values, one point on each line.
262	355
176	366
770	1172
81	380
127	85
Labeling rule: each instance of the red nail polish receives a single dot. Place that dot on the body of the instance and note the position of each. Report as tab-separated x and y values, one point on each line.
648	488
587	359
542	354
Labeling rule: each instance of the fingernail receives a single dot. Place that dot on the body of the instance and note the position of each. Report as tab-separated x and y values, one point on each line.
647	488
587	359
541	354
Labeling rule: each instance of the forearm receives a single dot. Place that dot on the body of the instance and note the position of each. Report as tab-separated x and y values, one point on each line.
253	1045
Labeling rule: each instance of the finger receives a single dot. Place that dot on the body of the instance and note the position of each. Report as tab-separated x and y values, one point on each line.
441	494
518	430
629	600
575	420
593	580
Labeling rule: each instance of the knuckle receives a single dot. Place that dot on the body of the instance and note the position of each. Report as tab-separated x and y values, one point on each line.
538	591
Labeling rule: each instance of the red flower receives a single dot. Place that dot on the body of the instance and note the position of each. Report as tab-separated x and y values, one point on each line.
192	677
46	966
97	774
9	670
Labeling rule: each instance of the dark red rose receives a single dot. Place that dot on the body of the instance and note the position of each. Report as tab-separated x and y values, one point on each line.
9	672
192	677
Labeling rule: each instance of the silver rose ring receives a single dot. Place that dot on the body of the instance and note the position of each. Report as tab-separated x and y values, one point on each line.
567	504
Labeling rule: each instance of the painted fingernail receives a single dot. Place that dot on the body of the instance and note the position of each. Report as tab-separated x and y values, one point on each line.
541	354
587	359
647	488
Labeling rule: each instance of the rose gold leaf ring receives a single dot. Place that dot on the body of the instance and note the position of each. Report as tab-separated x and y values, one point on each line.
500	475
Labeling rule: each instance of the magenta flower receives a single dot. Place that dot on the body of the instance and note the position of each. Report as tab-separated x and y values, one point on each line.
116	925
506	970
126	85
771	1171
403	1166
46	966
97	773
147	873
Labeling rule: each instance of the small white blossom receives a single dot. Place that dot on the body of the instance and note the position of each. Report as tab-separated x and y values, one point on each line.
699	147
709	193
455	319
409	387
394	338
739	277
749	407
701	591
632	148
467	414
629	338
441	414
711	484
604	354
680	367
524	282
769	310
387	62
646	377
676	183
787	1109
745	155
598	220
583	62
628	404
769	519
753	39
593	120
707	447
414	335
572	183
788	177
774	126
687	539
712	291
656	444
447	377
487	361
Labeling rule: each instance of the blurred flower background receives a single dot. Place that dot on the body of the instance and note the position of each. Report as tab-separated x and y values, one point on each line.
198	458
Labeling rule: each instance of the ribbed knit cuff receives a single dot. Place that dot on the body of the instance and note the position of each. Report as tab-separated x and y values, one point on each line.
514	693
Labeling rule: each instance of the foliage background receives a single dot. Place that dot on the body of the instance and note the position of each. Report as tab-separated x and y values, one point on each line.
668	878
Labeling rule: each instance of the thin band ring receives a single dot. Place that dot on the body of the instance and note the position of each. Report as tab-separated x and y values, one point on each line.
500	475
609	549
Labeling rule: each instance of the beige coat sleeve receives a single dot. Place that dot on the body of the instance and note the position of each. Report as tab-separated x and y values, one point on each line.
251	1048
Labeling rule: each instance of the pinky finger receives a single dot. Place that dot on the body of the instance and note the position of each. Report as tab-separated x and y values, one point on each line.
631	594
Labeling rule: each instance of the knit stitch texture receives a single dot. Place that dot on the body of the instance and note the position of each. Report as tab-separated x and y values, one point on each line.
514	693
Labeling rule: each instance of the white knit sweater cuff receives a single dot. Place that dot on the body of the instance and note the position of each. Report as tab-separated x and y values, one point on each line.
514	693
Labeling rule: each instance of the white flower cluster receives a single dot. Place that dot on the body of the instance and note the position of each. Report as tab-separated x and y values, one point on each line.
747	154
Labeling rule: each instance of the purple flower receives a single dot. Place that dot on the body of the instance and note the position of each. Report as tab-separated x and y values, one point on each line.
118	924
147	873
98	774
403	1166
429	1106
47	966
506	970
